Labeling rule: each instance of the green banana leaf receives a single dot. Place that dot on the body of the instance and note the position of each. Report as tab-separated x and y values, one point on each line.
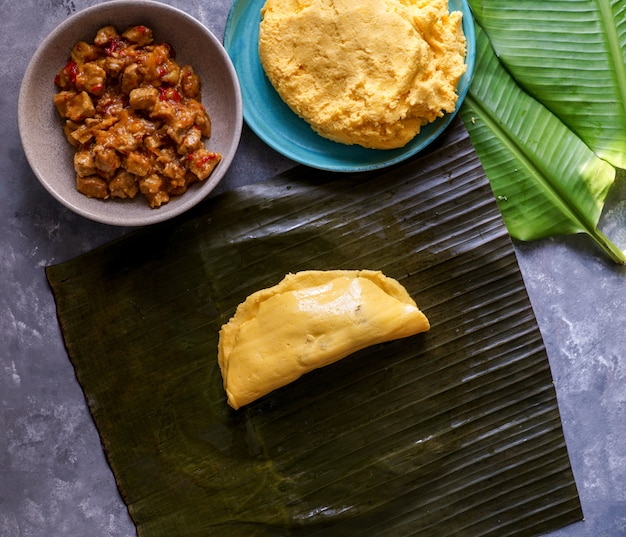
570	56
452	432
546	179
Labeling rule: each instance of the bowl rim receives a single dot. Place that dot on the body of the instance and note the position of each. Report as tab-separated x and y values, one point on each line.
181	203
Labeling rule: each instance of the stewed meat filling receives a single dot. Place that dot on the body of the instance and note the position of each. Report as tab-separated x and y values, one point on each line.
135	117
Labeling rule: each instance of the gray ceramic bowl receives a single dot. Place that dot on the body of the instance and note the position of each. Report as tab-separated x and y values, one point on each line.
51	156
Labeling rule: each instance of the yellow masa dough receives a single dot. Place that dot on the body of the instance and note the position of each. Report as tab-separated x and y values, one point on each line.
366	72
308	320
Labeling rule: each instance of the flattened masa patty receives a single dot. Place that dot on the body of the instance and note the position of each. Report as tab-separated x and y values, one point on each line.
371	72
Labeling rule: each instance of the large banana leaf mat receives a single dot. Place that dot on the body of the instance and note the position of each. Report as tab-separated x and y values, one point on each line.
452	432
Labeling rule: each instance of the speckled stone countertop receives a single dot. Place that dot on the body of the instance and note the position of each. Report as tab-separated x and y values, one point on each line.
54	480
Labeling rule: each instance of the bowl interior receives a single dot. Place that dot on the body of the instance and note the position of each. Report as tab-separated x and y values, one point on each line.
46	148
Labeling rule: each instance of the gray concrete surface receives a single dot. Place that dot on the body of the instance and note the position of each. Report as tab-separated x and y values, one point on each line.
54	481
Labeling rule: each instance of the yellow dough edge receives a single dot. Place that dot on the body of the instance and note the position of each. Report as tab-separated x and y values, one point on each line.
309	320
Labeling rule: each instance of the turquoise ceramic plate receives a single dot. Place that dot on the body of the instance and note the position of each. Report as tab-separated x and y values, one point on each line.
274	122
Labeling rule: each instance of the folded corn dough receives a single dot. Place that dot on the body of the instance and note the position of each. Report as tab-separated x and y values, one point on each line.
366	72
308	320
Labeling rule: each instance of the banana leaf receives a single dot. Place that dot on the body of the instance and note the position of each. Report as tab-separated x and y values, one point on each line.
546	180
452	432
571	57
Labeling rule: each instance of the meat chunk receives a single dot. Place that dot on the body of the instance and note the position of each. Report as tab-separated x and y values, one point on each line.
179	125
126	134
144	98
152	188
80	107
139	34
83	52
106	159
78	135
189	82
154	62
105	35
114	66
131	78
91	78
155	141
110	104
61	101
138	163
84	163
191	141
92	186
124	185
200	117
171	167
169	72
203	162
